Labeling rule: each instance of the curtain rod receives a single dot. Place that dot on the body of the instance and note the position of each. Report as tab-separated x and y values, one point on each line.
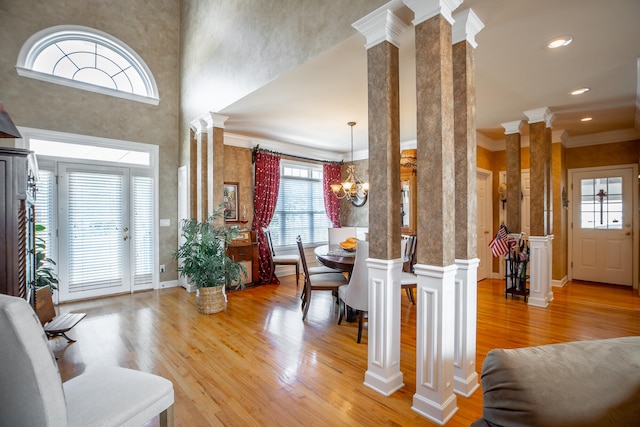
257	149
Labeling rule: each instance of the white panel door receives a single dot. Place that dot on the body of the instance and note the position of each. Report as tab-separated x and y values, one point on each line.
484	224
93	212
602	226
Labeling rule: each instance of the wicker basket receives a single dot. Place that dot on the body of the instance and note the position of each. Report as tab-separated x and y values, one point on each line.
210	300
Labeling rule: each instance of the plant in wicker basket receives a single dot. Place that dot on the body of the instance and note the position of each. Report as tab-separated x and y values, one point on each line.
204	260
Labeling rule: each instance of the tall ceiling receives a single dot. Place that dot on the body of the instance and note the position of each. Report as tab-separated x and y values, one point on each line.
309	107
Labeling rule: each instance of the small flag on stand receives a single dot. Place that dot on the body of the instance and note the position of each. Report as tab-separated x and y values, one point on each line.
501	244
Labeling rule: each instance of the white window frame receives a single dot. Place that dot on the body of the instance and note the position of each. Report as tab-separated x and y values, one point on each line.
44	38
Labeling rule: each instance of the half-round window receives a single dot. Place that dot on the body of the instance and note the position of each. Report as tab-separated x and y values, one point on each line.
88	59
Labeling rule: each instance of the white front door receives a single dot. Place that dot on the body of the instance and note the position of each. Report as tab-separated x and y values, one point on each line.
602	225
93	212
484	224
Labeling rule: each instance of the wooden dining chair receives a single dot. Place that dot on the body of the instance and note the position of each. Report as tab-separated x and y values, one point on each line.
408	279
292	259
355	294
316	282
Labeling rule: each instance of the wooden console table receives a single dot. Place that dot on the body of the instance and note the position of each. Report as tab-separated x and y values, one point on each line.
246	250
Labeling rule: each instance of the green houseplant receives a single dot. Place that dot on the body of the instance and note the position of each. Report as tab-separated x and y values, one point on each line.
204	260
45	273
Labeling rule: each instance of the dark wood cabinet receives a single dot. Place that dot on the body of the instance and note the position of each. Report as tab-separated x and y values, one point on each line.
246	251
17	222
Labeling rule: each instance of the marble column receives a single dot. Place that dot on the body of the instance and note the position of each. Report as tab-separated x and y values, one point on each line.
539	239
215	161
382	28
514	175
466	26
436	270
198	183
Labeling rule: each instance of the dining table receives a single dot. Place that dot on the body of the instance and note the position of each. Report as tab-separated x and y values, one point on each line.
334	256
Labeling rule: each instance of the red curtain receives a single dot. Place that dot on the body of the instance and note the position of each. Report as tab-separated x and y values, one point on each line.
267	183
331	174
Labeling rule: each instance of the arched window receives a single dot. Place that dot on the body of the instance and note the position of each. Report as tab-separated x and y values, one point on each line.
88	59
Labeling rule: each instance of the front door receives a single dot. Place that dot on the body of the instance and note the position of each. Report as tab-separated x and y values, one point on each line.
602	225
93	209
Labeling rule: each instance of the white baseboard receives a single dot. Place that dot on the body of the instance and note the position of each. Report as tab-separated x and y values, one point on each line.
559	283
168	284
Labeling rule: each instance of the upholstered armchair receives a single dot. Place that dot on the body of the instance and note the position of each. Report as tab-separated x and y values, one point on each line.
33	393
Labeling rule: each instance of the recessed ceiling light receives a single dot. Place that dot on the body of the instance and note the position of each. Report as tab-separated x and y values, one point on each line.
580	91
586	119
559	42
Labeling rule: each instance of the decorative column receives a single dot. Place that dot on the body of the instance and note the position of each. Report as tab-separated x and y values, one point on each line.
466	26
514	175
215	161
539	240
435	269
198	183
382	29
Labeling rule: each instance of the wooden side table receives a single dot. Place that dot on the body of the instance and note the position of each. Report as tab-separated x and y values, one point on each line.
246	251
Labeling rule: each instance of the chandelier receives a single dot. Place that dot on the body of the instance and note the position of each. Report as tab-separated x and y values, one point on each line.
352	188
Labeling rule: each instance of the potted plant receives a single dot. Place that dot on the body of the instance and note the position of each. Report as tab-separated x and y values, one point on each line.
204	260
45	273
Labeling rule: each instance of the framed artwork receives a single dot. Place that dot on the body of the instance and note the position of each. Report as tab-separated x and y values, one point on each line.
231	201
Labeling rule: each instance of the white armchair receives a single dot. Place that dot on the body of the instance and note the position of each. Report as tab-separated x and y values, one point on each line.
33	393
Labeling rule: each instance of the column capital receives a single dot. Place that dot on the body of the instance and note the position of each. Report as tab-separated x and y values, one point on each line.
465	27
550	118
512	127
537	115
215	120
382	25
426	9
198	125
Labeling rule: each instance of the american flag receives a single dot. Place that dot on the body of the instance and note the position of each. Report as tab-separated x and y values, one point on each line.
502	242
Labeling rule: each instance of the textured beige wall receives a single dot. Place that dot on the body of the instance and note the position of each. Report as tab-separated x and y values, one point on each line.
231	48
151	28
238	168
351	216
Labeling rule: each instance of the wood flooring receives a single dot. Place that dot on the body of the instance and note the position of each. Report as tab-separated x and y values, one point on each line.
259	364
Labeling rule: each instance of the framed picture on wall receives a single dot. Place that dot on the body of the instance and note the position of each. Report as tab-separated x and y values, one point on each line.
231	201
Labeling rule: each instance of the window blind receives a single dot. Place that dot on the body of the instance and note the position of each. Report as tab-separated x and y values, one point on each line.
96	211
143	229
300	208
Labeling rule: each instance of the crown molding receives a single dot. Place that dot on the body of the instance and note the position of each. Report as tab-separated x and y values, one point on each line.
621	135
512	127
465	27
382	25
242	141
424	10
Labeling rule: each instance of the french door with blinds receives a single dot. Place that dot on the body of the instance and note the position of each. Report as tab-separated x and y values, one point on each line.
105	225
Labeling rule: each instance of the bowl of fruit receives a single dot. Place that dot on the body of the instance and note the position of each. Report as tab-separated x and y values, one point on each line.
349	245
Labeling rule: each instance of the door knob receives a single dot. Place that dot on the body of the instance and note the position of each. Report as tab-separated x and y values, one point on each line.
125	229
628	233
126	237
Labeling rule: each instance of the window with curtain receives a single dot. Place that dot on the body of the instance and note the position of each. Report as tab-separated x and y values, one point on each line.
300	209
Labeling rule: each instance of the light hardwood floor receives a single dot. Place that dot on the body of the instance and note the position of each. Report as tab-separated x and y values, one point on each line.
257	363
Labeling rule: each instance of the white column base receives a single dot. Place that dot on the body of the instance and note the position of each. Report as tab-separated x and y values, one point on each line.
540	270
435	332
383	366
464	355
549	295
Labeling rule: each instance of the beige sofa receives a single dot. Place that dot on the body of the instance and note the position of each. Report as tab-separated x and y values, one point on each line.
584	383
